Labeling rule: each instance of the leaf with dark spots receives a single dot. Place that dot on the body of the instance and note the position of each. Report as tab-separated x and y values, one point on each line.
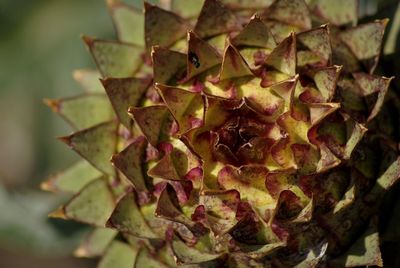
127	218
364	252
233	65
92	205
113	58
124	93
130	162
283	57
186	107
168	208
292	12
220	209
319	111
201	56
306	157
154	121
316	41
373	85
96	144
289	205
168	65
173	166
128	22
255	34
249	181
215	19
365	42
83	111
325	80
328	160
339	12
162	27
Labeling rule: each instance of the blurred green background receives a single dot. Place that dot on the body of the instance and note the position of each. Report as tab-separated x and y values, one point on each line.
39	48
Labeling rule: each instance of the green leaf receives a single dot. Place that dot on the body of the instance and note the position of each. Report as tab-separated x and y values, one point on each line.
317	41
173	166
201	55
83	111
365	41
369	85
127	218
145	260
283	57
186	107
154	121
233	65
338	12
355	132
162	27
249	181
113	58
255	34
191	255
88	80
96	144
119	255
186	8
128	22
221	207
291	12
92	205
95	243
130	162
215	19
364	252
124	93
73	179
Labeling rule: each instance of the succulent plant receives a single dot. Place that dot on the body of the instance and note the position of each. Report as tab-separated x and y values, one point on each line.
232	133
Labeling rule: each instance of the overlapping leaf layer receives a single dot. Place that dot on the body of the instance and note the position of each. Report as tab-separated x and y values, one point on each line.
235	134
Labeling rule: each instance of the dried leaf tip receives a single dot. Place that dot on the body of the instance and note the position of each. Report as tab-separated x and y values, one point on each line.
53	104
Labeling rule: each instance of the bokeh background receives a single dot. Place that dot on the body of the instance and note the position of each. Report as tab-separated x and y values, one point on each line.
39	47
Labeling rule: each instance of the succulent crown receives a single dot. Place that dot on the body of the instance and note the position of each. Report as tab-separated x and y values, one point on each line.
240	133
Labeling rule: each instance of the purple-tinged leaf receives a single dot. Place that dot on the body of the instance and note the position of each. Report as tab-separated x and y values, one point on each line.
124	93
154	121
130	162
186	107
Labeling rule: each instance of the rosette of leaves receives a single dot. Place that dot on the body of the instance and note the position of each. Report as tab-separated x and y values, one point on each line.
232	134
